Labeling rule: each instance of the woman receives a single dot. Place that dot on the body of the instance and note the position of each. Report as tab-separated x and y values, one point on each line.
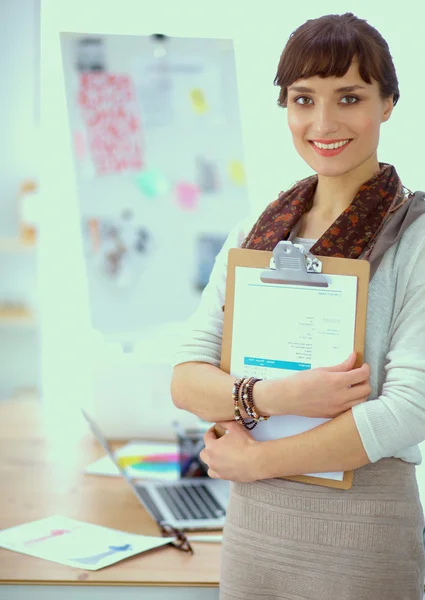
290	540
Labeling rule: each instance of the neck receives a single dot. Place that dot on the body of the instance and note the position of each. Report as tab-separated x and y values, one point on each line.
334	194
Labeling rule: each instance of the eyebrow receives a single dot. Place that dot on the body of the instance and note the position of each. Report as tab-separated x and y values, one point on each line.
307	90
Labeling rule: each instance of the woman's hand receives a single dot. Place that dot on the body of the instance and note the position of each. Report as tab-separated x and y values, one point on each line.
324	392
233	456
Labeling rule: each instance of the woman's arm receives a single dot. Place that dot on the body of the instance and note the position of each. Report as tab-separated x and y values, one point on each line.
333	446
206	391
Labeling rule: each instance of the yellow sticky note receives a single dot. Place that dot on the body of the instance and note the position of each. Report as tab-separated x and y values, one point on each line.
237	172
199	102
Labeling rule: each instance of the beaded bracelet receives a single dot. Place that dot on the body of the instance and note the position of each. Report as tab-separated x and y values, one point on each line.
238	416
235	396
247	424
248	398
244	396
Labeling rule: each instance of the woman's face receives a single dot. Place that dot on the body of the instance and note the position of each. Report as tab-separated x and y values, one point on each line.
319	111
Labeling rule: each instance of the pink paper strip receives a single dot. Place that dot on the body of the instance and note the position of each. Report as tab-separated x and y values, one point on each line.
108	106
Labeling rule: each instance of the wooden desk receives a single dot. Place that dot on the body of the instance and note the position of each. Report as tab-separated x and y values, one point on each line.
41	475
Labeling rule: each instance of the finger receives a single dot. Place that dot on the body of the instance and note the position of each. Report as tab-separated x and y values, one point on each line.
238	429
233	427
227	424
359	393
213	474
209	436
357	376
346	365
219	429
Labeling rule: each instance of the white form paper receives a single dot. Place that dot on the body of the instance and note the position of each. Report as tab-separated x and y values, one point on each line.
280	329
76	543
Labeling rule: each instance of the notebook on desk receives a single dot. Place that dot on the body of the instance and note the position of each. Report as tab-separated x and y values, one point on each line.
189	504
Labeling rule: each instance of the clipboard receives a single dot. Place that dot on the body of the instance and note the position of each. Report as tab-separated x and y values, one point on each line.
292	264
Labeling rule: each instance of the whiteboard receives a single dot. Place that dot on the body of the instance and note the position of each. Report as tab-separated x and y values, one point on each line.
188	124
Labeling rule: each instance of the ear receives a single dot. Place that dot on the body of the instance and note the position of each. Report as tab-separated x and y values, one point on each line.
388	106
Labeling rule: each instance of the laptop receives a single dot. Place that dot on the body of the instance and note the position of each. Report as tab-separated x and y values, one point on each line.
191	504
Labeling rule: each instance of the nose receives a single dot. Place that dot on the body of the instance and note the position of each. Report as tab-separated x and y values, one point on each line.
325	120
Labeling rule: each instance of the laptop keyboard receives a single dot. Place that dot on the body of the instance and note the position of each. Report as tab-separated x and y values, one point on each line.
190	502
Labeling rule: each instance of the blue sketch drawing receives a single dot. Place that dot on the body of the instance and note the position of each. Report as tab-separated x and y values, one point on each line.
92	560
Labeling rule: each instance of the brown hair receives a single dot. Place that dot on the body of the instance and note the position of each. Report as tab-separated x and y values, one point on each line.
326	47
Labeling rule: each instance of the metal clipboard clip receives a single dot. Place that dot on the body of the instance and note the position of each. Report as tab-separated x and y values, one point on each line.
293	264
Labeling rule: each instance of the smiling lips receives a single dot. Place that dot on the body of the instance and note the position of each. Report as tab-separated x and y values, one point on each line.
331	148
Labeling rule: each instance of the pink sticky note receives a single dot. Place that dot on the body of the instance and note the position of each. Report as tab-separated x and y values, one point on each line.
79	145
187	195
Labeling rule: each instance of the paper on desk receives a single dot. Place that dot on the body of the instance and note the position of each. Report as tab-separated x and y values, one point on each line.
142	460
75	543
281	329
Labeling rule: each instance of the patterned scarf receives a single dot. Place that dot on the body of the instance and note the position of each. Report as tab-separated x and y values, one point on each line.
355	231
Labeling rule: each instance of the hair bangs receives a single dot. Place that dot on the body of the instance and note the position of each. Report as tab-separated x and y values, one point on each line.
324	58
326	47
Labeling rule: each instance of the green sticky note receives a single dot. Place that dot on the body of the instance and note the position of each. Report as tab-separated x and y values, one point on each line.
152	183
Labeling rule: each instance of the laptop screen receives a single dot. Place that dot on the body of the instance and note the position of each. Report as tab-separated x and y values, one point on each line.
105	444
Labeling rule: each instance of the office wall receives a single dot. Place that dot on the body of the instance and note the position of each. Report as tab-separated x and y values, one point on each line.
260	31
19	159
19	156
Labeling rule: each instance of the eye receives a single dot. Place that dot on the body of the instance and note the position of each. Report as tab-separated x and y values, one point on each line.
301	98
356	100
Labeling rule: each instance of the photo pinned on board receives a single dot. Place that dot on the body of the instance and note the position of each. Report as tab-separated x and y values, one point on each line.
142	241
139	236
155	87
118	248
207	248
90	55
206	175
113	250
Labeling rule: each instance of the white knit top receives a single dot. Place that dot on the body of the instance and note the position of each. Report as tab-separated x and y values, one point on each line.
306	242
392	422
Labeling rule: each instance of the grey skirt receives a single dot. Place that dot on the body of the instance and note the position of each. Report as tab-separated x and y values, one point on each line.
293	541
